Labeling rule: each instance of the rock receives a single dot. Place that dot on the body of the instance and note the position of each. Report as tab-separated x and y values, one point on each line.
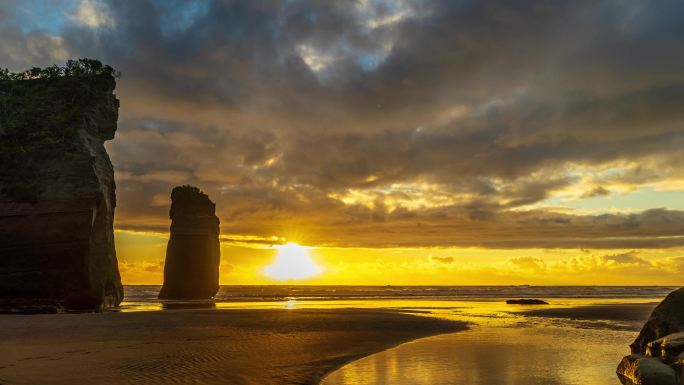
679	366
637	369
658	352
193	252
57	194
526	301
667	348
667	318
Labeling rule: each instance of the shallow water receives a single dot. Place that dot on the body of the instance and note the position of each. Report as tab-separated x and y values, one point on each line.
503	347
496	355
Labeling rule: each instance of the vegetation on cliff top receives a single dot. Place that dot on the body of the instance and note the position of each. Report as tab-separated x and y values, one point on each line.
73	68
190	200
41	110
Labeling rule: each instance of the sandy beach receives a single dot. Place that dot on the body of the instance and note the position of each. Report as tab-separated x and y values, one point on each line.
199	346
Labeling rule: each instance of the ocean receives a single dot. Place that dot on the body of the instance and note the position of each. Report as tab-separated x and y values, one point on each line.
144	297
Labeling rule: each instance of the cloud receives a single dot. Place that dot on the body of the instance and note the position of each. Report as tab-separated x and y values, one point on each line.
627	263
21	51
141	273
527	263
409	123
128	267
553	268
625	258
444	260
93	14
595	192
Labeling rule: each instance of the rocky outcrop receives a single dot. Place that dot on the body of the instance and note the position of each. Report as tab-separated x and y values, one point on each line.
193	254
57	191
658	352
526	301
667	318
637	369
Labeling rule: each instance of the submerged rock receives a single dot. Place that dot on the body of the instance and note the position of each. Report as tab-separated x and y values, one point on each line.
57	191
658	352
193	254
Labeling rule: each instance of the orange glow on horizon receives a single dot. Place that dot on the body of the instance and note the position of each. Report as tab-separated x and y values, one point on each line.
292	262
141	262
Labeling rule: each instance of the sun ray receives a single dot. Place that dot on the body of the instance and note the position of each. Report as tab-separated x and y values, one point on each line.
292	262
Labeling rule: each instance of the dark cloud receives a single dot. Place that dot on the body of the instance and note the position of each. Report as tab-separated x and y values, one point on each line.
390	123
597	191
528	263
625	258
445	260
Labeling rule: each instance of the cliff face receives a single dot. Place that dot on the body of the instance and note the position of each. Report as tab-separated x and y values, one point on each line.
191	270
57	194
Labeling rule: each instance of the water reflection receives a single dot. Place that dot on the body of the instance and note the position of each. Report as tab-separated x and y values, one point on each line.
291	304
496	355
188	304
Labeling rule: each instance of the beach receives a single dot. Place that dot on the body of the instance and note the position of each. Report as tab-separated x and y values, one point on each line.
342	335
272	346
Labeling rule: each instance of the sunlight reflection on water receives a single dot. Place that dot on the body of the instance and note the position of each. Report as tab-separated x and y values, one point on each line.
495	355
502	347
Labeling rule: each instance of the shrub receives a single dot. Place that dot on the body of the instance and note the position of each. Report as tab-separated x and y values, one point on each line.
73	68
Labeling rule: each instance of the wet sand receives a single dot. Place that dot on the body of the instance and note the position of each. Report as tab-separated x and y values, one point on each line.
638	312
199	346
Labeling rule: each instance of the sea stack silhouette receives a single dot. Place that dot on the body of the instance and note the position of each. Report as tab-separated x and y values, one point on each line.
193	254
57	191
658	352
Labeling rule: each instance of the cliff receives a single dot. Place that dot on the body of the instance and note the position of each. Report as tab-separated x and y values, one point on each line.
193	254
57	191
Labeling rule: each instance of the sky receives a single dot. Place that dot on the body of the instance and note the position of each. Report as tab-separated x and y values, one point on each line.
402	142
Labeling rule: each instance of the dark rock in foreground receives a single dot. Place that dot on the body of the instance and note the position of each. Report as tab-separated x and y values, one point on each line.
57	190
667	318
193	253
526	301
658	352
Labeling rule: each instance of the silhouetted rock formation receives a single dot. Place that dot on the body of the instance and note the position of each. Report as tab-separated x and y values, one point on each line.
526	301
658	352
57	191
667	318
193	253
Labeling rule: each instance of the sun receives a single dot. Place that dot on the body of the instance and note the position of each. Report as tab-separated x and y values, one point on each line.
292	262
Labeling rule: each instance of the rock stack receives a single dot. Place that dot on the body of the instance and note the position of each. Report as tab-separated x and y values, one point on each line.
658	352
57	191
193	254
